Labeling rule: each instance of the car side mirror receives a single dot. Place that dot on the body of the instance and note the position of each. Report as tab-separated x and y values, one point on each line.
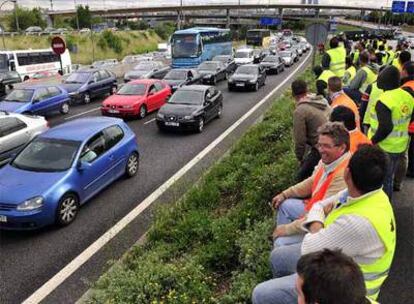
36	100
83	165
91	82
150	93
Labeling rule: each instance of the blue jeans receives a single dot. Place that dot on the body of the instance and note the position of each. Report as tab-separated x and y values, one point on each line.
280	290
290	210
394	158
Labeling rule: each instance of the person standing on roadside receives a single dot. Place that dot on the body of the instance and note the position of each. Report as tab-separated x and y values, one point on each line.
389	121
311	112
334	58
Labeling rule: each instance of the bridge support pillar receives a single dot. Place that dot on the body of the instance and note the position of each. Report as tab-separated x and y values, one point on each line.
317	11
228	18
280	9
180	19
362	15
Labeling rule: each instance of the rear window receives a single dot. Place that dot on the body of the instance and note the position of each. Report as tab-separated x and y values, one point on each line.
10	125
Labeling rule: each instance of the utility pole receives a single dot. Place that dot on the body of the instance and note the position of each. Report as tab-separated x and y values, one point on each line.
77	16
16	16
51	5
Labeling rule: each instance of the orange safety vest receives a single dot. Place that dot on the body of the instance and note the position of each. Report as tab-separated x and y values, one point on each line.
410	84
357	138
346	101
319	194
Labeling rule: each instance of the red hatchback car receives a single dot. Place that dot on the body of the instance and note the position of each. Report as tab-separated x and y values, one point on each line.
137	98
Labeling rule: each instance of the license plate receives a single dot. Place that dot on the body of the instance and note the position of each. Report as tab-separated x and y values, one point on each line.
239	84
113	111
3	219
172	124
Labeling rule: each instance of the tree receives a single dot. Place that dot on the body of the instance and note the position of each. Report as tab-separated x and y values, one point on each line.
83	14
26	18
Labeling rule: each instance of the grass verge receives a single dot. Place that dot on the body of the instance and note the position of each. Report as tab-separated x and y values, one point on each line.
212	245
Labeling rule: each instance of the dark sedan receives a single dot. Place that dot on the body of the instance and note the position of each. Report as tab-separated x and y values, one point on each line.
228	61
250	76
212	72
177	78
83	85
190	108
273	64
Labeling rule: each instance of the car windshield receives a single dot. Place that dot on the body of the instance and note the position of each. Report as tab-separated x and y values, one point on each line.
221	58
242	54
176	74
132	89
47	155
284	54
246	70
20	95
187	97
270	59
77	78
209	66
144	67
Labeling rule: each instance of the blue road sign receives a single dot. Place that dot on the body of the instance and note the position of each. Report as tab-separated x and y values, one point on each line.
270	21
410	7
398	7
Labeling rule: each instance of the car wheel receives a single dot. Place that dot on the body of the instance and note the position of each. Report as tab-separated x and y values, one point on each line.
67	209
219	111
256	86
86	98
226	76
230	88
214	81
113	90
276	71
64	108
142	112
132	165
200	126
26	78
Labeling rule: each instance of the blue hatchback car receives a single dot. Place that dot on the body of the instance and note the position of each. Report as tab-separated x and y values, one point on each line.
37	99
63	168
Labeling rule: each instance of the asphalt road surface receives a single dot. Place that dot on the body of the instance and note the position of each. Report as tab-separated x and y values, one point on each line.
29	259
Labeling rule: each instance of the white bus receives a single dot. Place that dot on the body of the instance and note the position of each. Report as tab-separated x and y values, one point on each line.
29	62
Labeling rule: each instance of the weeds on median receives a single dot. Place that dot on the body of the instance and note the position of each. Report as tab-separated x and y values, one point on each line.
212	246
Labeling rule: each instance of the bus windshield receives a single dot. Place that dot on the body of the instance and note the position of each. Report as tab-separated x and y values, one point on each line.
185	45
3	62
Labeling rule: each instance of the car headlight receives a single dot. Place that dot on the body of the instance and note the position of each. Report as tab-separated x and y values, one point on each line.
128	107
160	115
253	80
230	80
74	93
188	117
31	204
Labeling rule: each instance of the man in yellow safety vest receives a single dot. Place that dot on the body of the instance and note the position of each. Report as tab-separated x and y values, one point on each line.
334	58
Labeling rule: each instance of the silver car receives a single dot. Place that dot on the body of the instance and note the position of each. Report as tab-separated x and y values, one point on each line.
147	70
16	130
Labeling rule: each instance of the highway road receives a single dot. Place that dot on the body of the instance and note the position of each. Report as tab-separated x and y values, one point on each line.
29	259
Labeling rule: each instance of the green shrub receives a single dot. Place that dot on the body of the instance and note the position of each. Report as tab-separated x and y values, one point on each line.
213	245
112	41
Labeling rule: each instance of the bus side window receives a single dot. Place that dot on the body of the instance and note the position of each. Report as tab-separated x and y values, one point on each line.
12	65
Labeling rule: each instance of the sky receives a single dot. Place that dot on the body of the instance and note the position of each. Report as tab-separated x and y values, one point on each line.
101	4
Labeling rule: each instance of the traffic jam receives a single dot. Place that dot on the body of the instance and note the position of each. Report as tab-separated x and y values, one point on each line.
51	163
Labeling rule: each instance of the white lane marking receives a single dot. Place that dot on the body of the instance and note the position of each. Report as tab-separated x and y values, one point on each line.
83	113
77	262
149	121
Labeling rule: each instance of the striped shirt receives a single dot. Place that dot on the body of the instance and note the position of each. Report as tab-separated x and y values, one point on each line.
353	234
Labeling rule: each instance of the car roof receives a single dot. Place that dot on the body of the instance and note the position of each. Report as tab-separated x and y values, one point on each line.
250	65
80	129
88	70
195	87
144	81
36	86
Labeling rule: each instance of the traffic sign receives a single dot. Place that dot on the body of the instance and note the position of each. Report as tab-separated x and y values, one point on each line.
270	21
58	45
316	33
410	7
398	7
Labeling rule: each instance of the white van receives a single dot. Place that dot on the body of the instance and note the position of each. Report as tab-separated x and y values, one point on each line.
243	56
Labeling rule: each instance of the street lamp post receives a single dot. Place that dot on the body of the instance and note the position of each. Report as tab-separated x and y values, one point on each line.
15	13
77	16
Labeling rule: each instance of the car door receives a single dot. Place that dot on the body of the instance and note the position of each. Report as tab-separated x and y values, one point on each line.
96	175
40	101
209	104
152	98
161	94
262	75
56	97
14	134
116	153
106	82
95	87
